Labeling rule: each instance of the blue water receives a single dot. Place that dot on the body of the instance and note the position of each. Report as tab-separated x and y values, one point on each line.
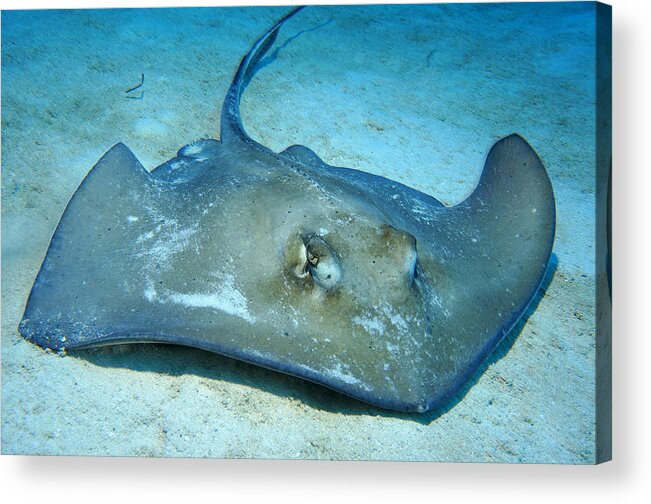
414	93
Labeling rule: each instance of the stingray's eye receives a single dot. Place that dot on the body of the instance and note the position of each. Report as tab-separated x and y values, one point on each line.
401	248
322	263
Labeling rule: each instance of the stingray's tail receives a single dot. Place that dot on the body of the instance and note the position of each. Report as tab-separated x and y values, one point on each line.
231	123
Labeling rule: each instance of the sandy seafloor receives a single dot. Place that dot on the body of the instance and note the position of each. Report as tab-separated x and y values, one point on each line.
416	94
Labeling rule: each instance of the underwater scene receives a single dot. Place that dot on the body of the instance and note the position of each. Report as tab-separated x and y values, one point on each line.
405	311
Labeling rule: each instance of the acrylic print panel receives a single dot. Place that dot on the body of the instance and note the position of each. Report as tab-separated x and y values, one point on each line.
421	311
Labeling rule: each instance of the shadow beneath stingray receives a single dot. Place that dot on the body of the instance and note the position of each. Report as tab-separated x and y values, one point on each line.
176	360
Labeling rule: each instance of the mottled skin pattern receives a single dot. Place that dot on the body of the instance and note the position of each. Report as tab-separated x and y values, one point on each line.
334	275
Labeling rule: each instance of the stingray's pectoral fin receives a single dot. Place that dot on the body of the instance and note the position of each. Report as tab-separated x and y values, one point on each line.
514	199
507	224
84	290
493	251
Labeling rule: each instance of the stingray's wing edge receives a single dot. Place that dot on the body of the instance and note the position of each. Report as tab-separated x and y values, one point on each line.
87	238
505	233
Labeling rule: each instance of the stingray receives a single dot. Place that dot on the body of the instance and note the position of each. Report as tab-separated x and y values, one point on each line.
333	275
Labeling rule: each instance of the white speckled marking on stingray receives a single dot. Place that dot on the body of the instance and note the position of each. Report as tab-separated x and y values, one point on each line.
224	298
